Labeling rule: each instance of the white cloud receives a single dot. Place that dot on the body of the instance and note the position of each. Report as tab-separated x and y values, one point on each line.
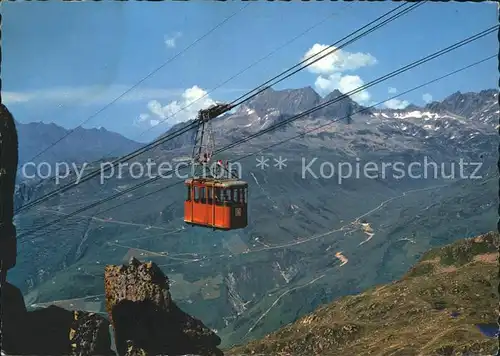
396	104
331	70
92	95
392	90
171	40
345	84
184	109
427	98
338	61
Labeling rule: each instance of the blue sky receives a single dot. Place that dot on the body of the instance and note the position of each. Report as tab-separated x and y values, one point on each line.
63	62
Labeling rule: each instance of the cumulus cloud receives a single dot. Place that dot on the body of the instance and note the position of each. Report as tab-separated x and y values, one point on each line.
183	109
338	61
343	83
396	104
331	68
171	40
392	90
427	98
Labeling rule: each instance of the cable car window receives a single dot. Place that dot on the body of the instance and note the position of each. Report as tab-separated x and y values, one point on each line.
188	198
242	194
203	197
218	196
236	196
225	195
196	194
210	194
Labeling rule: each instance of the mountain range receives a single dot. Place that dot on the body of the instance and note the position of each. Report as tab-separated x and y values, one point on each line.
81	145
354	232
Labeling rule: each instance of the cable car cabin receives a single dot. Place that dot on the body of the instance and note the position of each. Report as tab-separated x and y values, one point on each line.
216	203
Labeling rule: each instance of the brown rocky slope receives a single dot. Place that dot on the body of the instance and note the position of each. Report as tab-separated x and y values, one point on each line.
435	309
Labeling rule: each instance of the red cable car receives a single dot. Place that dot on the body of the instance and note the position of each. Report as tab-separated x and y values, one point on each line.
217	201
219	204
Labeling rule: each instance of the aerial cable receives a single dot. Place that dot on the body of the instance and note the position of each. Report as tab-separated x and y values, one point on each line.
210	91
156	70
309	59
331	49
205	95
240	72
397	72
364	109
235	103
88	218
97	172
191	126
388	76
365	86
231	78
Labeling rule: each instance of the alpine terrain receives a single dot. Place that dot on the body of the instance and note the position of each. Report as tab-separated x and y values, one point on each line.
420	178
444	305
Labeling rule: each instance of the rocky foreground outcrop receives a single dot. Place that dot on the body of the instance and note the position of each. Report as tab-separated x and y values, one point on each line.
145	321
145	318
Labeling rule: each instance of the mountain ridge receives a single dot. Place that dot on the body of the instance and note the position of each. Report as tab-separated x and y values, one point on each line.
79	146
272	106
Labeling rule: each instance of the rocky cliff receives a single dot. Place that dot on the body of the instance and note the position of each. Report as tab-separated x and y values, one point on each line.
144	320
147	320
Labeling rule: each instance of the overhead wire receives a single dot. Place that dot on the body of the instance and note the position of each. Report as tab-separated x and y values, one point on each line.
211	257
221	84
329	50
85	220
235	75
449	74
284	122
266	85
368	85
331	123
302	134
307	112
192	102
238	101
241	71
149	75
